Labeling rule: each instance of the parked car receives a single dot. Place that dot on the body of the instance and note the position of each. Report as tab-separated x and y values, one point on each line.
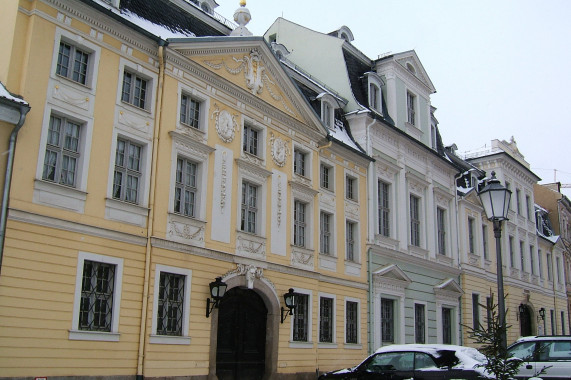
552	354
417	361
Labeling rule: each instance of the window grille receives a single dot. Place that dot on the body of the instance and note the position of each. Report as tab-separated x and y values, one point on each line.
352	322
300	318
419	320
171	304
97	288
387	321
446	325
326	320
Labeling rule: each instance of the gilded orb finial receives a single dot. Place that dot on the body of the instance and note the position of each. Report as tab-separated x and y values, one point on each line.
242	3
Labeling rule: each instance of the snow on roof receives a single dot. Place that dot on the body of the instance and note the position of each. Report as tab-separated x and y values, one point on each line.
339	133
4	93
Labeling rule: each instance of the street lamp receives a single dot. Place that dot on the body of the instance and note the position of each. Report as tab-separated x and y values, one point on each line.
217	291
495	199
289	300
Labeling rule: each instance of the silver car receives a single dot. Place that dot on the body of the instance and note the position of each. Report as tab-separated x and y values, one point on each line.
546	357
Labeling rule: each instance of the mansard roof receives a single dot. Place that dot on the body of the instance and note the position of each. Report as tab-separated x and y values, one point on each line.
409	61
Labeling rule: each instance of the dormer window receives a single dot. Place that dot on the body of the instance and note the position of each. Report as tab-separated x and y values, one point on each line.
345	34
375	82
328	105
411	108
327	114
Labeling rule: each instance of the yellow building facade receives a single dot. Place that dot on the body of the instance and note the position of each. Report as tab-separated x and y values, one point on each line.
146	169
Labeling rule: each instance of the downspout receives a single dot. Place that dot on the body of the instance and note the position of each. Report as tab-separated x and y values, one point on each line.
24	109
146	281
370	300
370	309
458	256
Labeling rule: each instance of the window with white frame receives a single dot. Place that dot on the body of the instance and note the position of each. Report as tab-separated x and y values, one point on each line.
471	237
350	240
300	162
384	211
351	322
485	241
433	137
127	176
186	187
540	263
326	179
325	233
388	320
97	297
475	311
549	267
558	270
447	314
441	230
326	319
374	96
73	62
414	205
518	200
251	140
299	223
411	108
419	323
522	256
528	207
532	259
63	150
190	110
351	188
327	113
249	208
512	252
135	90
301	318
171	305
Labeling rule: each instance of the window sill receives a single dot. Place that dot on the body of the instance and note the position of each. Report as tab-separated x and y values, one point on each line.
353	346
326	345
53	194
125	212
295	344
328	262
94	336
352	268
168	339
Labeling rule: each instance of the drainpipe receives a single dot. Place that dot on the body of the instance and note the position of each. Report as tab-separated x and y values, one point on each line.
24	109
461	332
147	279
370	301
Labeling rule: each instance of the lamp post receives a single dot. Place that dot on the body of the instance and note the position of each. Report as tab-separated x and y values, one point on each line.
495	199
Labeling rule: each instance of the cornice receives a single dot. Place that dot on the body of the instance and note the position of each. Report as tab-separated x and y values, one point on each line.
413	260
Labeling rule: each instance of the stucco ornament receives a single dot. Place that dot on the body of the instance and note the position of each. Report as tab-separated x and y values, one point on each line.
280	150
225	124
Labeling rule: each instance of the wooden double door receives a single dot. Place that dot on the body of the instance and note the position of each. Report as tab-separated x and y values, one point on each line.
241	347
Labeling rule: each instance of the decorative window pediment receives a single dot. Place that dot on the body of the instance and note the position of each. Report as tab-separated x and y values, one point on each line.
448	288
394	273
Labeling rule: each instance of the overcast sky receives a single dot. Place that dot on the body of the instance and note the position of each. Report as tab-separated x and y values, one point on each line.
501	68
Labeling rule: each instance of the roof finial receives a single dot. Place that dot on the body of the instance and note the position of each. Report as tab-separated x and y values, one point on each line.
242	17
242	3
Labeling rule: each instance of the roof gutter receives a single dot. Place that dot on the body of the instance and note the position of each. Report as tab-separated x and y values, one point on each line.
23	110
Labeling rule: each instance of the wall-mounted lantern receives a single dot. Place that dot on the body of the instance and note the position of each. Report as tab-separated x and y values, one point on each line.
542	314
289	300
217	291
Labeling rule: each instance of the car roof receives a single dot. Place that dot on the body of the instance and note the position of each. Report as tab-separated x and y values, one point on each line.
428	348
542	337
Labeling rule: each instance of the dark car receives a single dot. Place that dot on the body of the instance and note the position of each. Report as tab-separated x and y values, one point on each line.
417	361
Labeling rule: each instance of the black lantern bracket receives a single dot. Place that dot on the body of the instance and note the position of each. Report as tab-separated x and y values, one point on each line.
289	300
542	314
217	291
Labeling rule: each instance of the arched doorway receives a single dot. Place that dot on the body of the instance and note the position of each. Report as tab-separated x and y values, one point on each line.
525	327
241	342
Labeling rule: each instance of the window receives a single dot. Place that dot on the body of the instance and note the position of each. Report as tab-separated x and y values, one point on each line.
374	97
433	137
522	256
351	322
485	242
189	111
72	63
185	187
249	207
509	187
387	320
301	318
61	161
558	270
326	177
552	317
97	298
325	233
299	223
549	267
127	175
528	206
327	114
299	162
326	322
446	325
512	253
441	226
350	188
475	311
563	328
384	209
532	259
250	142
414	220
489	312
410	106
518	200
471	235
419	323
134	90
350	231
540	263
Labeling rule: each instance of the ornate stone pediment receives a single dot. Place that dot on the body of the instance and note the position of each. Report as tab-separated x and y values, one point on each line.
448	289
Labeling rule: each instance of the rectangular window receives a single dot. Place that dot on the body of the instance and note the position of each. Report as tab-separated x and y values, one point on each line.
512	253
351	323
441	232
61	160
128	175
350	188
475	311
189	111
387	320
558	270
249	207
549	267
326	117
72	63
326	320
250	143
350	230
522	256
518	200
414	220
540	263
185	187
446	325
170	310
485	242
489	312
509	187
471	245
299	159
552	315
410	106
97	292
419	323
562	323
134	90
374	96
301	318
299	224
325	179
532	259
528	206
384	209
325	233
